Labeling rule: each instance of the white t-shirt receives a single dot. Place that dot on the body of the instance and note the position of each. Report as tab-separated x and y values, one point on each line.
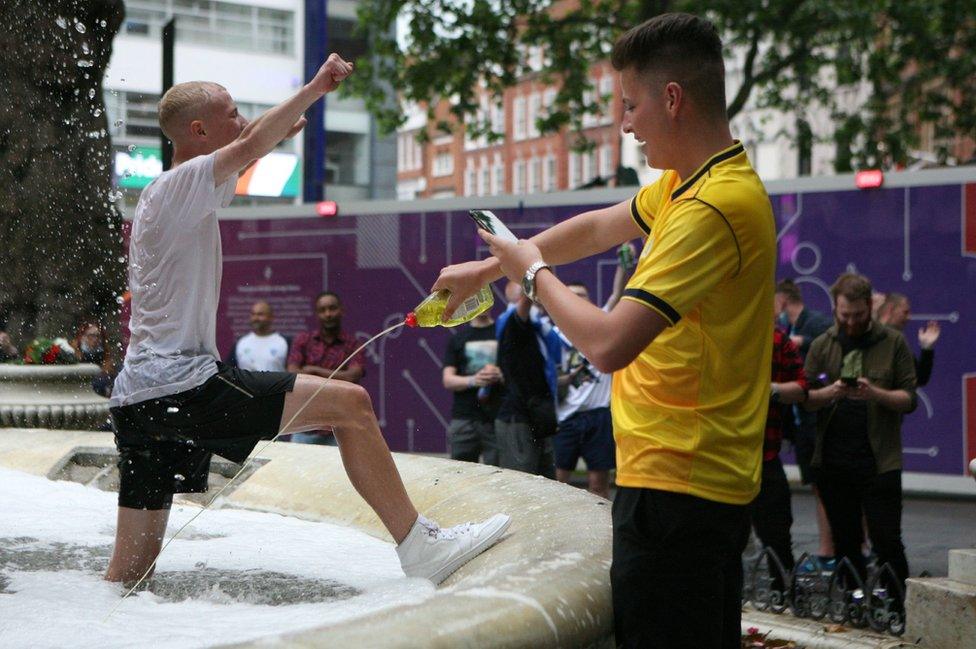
592	393
174	278
261	353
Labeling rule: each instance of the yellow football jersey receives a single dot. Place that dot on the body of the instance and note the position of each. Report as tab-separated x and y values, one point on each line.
689	411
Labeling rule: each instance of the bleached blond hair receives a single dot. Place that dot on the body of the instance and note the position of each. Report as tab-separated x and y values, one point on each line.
183	103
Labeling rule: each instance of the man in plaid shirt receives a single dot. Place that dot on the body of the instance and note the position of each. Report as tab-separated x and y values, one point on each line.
320	352
771	510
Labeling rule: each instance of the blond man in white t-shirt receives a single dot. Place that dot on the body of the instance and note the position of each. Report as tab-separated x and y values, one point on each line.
174	404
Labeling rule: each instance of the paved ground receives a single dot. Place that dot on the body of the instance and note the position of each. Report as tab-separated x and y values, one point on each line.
930	528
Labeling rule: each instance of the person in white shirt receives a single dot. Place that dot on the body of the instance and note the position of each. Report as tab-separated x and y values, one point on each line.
174	404
585	427
261	350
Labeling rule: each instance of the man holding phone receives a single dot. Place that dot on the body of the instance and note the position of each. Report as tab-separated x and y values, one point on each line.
867	384
689	344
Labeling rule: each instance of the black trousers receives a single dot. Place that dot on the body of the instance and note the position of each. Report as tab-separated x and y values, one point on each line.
677	570
847	493
772	517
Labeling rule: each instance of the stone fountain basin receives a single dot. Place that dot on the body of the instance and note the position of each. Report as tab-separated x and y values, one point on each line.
50	396
545	585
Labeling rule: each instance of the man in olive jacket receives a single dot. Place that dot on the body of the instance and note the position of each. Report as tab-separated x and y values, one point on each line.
867	378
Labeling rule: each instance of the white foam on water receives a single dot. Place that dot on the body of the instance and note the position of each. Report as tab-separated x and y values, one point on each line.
67	608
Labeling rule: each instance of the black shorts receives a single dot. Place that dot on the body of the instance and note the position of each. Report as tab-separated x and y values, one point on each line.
165	444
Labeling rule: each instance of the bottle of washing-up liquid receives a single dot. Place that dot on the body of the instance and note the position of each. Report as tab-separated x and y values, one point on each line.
428	313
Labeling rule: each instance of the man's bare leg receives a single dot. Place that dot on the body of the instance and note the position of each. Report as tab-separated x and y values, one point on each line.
138	538
347	409
599	483
562	475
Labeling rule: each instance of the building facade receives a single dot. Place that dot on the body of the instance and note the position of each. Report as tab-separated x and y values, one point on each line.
255	49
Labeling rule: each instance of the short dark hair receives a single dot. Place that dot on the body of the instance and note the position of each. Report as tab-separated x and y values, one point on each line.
792	292
891	301
327	294
853	287
685	48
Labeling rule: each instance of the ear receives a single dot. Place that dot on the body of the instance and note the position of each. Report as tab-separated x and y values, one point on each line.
674	96
197	129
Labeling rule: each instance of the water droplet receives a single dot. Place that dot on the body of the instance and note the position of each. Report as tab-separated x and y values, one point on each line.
127	174
131	148
80	27
97	112
82	63
85	48
121	259
172	409
102	23
118	123
91	93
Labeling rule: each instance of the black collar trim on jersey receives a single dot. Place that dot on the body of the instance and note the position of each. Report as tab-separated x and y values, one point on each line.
731	152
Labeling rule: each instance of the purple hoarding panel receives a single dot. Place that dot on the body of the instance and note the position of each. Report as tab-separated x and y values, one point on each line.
907	241
910	241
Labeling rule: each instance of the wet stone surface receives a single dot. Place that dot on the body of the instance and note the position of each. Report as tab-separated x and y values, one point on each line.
222	586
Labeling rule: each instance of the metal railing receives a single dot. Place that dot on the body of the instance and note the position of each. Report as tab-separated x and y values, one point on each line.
839	595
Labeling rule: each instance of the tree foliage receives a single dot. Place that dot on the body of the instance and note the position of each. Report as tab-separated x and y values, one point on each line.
888	73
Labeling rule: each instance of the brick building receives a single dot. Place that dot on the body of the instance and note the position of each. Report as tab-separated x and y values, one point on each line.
522	162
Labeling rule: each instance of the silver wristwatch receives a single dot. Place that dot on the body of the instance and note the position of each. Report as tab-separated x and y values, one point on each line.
528	281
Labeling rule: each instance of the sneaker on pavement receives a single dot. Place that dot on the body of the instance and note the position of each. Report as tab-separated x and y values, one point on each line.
433	553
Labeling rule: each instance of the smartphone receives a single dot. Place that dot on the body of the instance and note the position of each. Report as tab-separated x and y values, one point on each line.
850	381
487	220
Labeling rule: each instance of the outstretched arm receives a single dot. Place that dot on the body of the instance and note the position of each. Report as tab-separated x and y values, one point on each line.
281	122
583	235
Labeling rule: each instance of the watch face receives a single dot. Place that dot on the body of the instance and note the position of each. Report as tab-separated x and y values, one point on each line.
528	287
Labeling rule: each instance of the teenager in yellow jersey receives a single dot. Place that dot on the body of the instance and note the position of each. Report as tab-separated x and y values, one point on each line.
689	343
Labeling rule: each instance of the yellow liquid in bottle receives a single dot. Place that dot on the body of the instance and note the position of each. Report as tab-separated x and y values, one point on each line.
429	311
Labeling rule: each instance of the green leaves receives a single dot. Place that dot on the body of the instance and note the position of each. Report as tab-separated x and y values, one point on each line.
878	78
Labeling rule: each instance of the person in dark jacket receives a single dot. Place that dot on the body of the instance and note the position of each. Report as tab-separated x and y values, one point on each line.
865	384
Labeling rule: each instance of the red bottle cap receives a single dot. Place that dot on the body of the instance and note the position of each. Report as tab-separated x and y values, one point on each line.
411	319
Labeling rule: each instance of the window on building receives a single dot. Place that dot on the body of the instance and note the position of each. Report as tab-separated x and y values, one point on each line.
606	161
498	119
469	179
574	171
443	164
589	166
519	119
606	98
589	119
535	107
518	177
535	175
548	100
498	177
484	179
418	152
228	24
550	174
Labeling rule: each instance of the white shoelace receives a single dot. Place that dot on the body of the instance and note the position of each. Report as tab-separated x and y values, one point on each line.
435	531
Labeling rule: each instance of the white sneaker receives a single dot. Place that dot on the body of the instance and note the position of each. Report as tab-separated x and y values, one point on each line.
434	553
